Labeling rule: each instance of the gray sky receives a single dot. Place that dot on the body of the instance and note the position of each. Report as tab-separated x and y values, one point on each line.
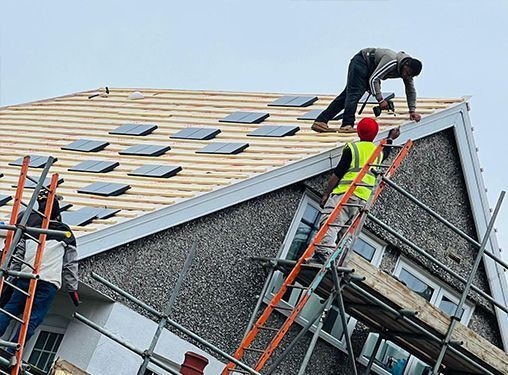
50	48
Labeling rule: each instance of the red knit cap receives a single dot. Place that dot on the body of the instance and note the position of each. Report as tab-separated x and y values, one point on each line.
367	129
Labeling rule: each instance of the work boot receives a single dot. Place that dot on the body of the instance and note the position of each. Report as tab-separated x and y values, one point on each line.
322	127
347	129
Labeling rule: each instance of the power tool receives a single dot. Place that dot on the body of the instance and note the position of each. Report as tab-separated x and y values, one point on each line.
391	108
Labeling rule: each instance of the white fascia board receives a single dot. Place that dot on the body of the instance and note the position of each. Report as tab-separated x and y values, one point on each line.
481	214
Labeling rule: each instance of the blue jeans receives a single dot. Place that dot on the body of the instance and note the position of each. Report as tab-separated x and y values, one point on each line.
44	295
357	85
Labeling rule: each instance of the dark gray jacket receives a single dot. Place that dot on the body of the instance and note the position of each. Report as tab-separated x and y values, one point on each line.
388	64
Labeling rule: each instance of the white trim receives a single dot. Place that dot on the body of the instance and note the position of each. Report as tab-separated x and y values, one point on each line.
441	288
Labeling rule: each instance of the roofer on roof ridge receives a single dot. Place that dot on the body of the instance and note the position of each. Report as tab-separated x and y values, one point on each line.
366	70
354	156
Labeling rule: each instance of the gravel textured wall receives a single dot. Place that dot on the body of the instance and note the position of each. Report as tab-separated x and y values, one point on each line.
219	294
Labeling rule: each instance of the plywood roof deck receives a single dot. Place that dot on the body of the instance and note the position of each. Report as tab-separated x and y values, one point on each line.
43	127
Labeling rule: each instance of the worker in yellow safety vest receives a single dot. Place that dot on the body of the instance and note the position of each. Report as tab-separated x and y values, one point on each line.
354	157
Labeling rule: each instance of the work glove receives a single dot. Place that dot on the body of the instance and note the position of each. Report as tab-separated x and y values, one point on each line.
75	298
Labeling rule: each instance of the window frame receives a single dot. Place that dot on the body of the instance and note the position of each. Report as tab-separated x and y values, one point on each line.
310	198
30	347
441	289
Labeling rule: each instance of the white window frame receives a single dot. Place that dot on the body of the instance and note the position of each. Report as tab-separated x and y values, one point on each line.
440	290
309	198
31	344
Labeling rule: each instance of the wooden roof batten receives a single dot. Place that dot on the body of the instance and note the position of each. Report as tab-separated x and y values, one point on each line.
44	127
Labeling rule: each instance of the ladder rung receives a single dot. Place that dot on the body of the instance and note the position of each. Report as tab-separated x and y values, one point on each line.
23	261
338	225
282	308
268	328
22	275
254	350
295	286
31	237
12	316
379	165
17	288
36	182
363	184
393	146
33	209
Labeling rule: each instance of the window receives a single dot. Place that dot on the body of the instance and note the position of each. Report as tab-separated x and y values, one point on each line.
391	359
303	228
45	349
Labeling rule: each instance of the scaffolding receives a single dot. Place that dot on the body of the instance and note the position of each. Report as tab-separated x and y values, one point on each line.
340	282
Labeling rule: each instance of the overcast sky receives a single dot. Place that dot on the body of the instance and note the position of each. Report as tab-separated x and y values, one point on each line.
50	48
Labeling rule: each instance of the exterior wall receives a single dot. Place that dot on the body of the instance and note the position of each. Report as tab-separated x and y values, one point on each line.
115	359
80	343
219	294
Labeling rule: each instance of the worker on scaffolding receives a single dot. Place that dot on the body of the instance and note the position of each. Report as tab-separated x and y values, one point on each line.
366	70
354	156
59	266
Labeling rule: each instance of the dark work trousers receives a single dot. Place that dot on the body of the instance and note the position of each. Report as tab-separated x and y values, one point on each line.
357	84
44	295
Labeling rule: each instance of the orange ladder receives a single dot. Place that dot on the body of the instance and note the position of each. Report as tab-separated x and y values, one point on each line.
337	257
15	232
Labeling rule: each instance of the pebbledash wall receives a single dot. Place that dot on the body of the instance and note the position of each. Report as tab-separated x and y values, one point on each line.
222	288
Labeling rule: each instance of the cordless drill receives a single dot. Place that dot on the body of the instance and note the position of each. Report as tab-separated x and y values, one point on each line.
391	108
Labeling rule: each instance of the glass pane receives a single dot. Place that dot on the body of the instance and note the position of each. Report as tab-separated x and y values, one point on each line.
34	356
50	342
447	306
299	244
43	361
416	284
310	214
364	249
389	356
41	340
421	368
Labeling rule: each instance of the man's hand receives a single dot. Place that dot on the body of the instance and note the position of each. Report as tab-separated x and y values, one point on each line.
75	298
384	105
415	116
394	133
323	201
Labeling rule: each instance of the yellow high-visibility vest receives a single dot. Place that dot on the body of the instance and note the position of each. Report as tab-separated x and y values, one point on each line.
360	153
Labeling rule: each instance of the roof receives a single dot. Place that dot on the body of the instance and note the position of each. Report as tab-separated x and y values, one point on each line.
207	182
44	127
